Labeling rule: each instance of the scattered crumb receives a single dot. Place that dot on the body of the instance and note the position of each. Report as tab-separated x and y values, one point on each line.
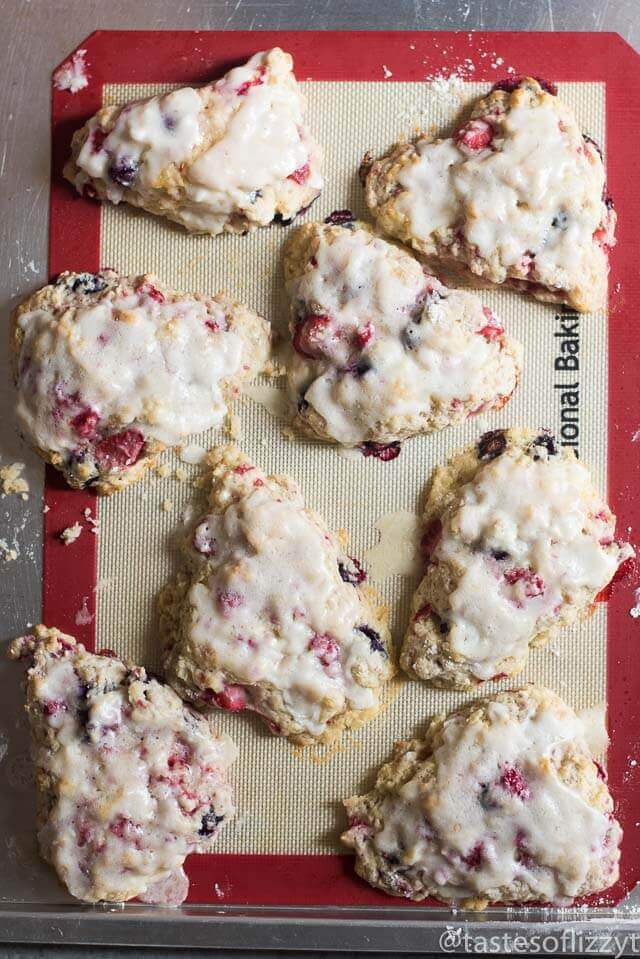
234	426
448	88
635	610
192	454
83	616
386	72
188	513
45	508
102	584
11	480
181	474
72	75
636	436
94	524
8	553
163	470
71	534
594	723
166	505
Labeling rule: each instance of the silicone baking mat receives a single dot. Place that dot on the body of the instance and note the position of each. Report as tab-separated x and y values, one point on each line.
364	91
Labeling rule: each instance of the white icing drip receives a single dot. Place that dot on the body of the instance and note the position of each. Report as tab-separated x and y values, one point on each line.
418	342
275	610
559	537
498	813
129	359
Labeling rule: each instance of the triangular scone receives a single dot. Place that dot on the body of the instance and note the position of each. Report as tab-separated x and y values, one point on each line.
129	779
500	802
110	370
229	156
518	543
272	616
517	196
381	349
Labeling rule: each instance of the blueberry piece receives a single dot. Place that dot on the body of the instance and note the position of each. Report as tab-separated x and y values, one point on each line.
255	195
377	646
278	218
339	217
209	823
560	221
499	554
303	405
608	202
444	627
547	441
88	283
410	337
124	170
361	368
351	571
491	444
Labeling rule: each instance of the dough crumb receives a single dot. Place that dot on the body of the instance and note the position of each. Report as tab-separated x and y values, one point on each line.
11	480
166	505
71	534
8	553
163	470
83	616
192	454
72	75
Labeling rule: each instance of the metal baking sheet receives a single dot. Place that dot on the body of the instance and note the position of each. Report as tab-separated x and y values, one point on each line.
143	58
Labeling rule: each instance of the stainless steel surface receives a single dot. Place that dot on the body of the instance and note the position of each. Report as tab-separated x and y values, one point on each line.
36	35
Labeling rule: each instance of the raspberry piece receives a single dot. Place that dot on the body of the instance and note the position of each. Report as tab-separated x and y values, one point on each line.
180	755
338	217
523	855
474	136
124	171
120	450
52	706
509	84
491	445
430	539
475	858
325	648
301	175
228	600
148	289
256	81
364	335
352	573
105	651
97	139
424	612
600	771
533	584
212	325
514	783
381	451
493	329
243	468
232	698
85	423
312	335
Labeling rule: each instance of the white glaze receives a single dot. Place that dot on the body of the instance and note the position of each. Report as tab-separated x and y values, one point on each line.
497	788
547	515
368	287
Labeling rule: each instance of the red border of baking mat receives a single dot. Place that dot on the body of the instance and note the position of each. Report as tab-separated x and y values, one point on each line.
193	57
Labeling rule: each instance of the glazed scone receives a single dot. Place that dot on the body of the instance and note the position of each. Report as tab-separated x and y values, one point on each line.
381	349
110	370
501	802
230	156
129	779
517	196
518	544
272	616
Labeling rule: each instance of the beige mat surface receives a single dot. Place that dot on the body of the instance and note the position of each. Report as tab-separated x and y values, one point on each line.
288	800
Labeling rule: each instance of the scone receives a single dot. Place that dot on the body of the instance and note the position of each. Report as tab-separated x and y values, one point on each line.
381	349
230	156
518	543
501	802
272	616
516	196
110	370
129	779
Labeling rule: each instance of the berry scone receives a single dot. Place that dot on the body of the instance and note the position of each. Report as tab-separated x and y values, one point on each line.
517	195
272	616
501	802
110	370
129	779
518	543
381	349
230	156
